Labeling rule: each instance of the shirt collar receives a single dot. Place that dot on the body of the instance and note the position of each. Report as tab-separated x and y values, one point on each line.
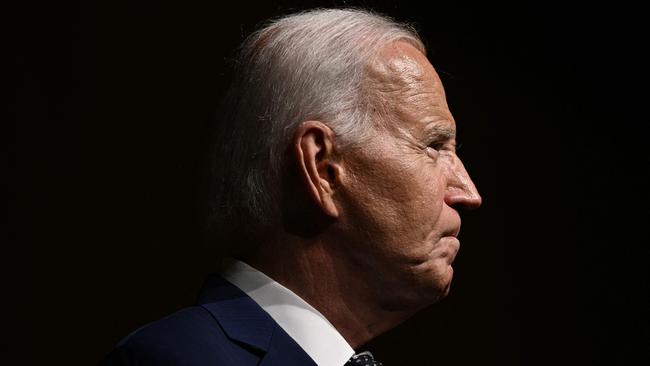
308	327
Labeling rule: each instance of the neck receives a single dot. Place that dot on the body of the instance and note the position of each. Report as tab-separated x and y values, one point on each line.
316	271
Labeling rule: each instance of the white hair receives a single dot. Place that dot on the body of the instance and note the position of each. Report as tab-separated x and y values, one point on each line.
300	67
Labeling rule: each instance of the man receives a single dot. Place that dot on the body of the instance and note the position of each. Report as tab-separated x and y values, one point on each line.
337	188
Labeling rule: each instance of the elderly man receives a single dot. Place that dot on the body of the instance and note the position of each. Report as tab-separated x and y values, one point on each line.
338	187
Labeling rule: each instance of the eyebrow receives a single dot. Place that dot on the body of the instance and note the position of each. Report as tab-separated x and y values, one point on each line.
439	131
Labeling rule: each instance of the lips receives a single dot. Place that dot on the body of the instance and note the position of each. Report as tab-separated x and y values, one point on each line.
453	232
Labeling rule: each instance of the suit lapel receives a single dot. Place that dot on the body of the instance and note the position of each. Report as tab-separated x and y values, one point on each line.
243	320
283	350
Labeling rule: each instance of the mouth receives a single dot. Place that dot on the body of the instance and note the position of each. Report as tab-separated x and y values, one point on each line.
453	232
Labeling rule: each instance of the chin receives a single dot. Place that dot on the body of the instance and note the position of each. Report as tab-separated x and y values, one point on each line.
446	290
428	285
441	284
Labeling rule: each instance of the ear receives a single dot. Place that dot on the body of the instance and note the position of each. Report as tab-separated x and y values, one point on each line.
313	150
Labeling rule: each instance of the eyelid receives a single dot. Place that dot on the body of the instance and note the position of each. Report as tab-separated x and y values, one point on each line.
431	152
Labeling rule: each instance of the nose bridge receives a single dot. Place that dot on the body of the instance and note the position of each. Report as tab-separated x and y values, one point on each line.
460	187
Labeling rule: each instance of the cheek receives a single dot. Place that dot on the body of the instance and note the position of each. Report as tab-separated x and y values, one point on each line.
415	198
425	196
412	209
398	203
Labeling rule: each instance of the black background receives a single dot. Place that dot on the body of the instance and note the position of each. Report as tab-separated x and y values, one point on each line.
108	157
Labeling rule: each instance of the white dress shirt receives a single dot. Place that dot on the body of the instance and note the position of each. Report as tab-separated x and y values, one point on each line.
309	328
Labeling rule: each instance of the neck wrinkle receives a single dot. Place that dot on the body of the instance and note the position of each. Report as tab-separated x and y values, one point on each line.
320	275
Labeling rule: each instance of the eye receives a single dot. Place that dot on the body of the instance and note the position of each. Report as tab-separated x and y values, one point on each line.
436	146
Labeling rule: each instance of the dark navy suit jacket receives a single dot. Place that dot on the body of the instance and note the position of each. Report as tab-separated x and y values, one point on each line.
226	328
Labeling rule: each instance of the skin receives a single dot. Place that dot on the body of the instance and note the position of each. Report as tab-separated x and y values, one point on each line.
376	233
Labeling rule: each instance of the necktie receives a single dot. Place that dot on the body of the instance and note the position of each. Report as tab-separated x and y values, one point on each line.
363	359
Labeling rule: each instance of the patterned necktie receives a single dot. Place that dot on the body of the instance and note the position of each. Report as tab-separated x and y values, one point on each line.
363	359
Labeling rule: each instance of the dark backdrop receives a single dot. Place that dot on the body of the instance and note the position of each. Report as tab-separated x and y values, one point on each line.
114	110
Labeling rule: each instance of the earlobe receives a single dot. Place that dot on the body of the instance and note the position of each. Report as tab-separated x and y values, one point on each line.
317	165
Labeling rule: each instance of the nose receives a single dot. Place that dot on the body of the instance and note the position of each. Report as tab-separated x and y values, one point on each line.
461	191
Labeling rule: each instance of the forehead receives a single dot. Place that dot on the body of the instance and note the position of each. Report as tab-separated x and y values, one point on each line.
408	88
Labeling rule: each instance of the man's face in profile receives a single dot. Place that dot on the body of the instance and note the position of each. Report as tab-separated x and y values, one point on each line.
406	184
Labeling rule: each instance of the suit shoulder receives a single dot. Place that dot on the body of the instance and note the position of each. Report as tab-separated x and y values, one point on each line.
182	325
190	336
